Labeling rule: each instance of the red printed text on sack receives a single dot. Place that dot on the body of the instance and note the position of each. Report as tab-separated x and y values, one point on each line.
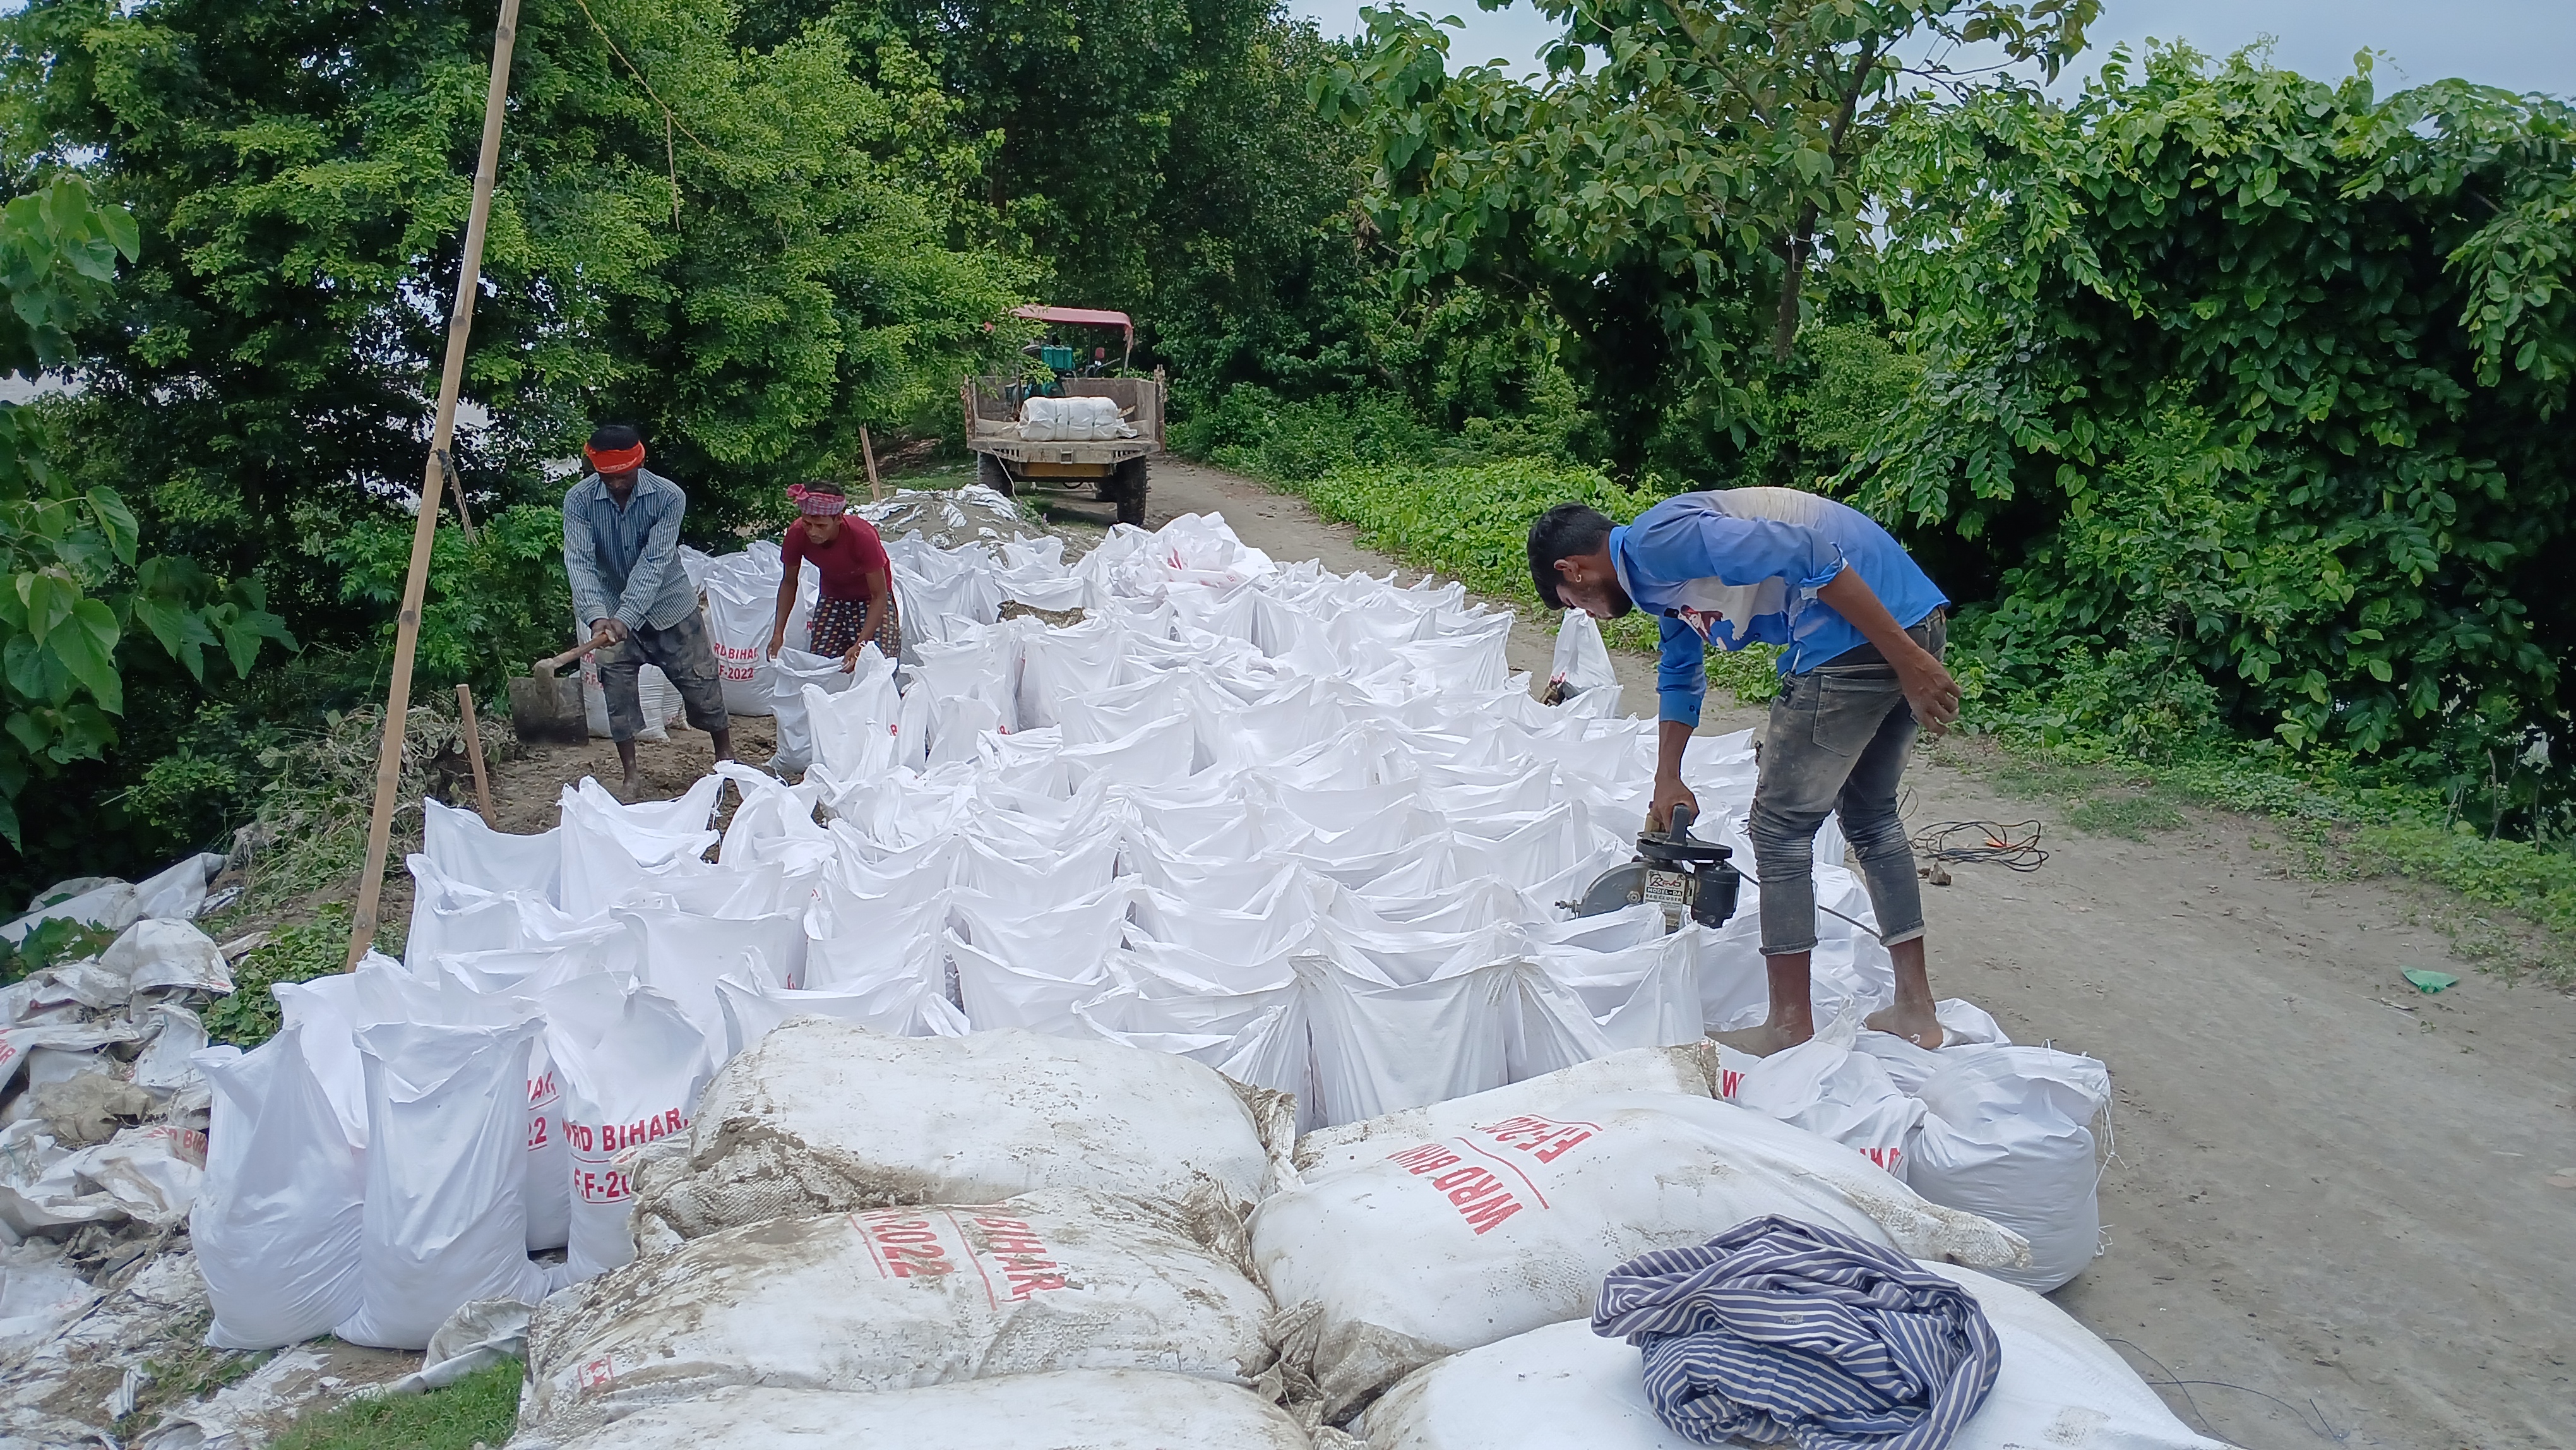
594	1179
1481	1197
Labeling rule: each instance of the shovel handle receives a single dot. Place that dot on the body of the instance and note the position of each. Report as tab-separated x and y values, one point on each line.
544	669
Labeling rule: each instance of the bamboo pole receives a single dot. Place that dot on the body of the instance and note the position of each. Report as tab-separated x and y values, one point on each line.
474	748
460	322
869	452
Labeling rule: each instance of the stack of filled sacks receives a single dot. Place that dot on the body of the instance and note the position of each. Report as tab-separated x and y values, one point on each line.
856	1212
1299	828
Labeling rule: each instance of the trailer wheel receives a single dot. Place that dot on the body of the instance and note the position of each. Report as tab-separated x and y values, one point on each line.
1130	490
990	473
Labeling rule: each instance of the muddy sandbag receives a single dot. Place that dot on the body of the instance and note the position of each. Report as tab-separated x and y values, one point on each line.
1121	1409
1690	1068
827	1116
898	1298
1477	1235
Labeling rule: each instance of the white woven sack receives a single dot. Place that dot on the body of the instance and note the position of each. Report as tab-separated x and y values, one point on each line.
471	853
797	1125
631	1064
1071	1410
791	674
1822	1085
1476	1236
899	1298
1566	1386
2009	1135
1328	1152
276	1226
445	1222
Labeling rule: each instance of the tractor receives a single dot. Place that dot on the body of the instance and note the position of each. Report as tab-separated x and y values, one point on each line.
1113	469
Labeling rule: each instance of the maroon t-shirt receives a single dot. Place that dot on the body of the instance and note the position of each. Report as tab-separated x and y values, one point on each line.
845	564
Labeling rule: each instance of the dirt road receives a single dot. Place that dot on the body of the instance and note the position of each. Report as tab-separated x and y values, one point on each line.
2326	1188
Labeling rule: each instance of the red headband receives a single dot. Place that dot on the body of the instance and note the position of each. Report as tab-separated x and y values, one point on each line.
615	460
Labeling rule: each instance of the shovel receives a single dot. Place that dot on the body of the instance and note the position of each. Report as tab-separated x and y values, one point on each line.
547	710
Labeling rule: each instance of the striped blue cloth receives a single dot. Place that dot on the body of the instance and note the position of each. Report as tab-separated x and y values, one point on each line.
1780	1330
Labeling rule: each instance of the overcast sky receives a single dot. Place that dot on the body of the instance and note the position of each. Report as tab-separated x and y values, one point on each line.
2522	45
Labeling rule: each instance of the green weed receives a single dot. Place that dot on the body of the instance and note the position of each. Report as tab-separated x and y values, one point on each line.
316	948
482	1407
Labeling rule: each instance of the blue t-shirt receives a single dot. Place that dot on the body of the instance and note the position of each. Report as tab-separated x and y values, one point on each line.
1744	564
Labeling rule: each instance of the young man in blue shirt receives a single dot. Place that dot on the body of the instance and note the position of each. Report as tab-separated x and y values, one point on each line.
622	557
1861	631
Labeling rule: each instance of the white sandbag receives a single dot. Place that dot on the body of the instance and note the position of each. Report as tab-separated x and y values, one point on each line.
1581	667
276	1224
388	992
796	1126
167	955
445	1222
470	853
1575	1004
854	730
896	1299
1566	1386
791	674
753	1010
1687	1069
2008	1135
1071	420
450	917
1072	1410
683	955
631	1064
145	1177
742	607
1480	1235
1382	1044
1824	1086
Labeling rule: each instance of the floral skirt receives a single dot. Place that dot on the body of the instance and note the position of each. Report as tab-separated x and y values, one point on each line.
837	625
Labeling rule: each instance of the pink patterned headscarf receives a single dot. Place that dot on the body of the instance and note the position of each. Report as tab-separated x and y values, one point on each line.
811	501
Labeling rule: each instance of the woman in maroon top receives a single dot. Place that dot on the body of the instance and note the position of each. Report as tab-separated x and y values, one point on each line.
858	580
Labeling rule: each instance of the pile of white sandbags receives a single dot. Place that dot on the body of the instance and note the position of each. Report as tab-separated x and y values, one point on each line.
1065	933
1072	420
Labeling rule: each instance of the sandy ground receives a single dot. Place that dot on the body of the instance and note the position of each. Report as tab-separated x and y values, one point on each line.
2327	1212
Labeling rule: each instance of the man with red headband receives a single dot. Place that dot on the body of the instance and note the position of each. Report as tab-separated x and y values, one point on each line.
622	553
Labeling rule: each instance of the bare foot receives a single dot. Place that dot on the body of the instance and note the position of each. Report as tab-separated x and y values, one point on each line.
626	788
1766	1039
1915	1024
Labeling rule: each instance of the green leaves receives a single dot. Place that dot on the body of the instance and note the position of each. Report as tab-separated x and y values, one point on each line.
2250	403
1675	207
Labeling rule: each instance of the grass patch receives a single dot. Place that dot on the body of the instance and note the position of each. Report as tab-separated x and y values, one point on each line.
482	1407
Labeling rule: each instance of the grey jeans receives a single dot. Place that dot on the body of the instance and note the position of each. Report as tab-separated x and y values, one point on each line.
683	655
1837	743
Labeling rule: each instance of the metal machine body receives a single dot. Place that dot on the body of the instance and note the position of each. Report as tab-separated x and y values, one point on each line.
1686	877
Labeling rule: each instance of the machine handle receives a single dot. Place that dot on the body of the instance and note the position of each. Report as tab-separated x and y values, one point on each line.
1683	816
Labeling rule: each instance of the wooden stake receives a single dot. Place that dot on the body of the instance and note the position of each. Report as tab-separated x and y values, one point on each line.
869	452
456	486
460	322
474	748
